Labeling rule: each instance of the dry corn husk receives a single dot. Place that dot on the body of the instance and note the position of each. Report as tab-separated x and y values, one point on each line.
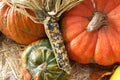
43	8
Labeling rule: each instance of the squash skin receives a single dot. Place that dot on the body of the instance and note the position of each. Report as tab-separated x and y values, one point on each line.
39	63
116	74
19	27
101	46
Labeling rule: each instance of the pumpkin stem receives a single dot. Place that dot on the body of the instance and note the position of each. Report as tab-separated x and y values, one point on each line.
99	19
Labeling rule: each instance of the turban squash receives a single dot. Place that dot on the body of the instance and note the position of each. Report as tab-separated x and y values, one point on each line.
39	63
17	26
92	32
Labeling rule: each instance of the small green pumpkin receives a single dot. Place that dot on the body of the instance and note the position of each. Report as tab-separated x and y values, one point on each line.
39	63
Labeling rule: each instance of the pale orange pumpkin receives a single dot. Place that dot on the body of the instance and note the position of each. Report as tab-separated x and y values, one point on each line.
19	27
92	32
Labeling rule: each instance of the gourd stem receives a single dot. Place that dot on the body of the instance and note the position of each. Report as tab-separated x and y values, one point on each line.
99	19
55	37
42	66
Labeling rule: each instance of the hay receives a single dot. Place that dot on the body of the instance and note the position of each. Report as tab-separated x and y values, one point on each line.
10	60
80	72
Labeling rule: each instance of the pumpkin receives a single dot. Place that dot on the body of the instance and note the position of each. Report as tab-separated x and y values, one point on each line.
39	63
19	27
91	32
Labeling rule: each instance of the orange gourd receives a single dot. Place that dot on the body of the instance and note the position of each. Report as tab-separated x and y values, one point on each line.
17	26
92	32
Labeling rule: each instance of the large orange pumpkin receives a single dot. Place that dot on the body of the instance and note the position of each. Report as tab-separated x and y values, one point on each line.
17	26
92	32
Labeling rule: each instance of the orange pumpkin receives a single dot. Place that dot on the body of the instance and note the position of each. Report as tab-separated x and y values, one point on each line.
17	26
92	32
